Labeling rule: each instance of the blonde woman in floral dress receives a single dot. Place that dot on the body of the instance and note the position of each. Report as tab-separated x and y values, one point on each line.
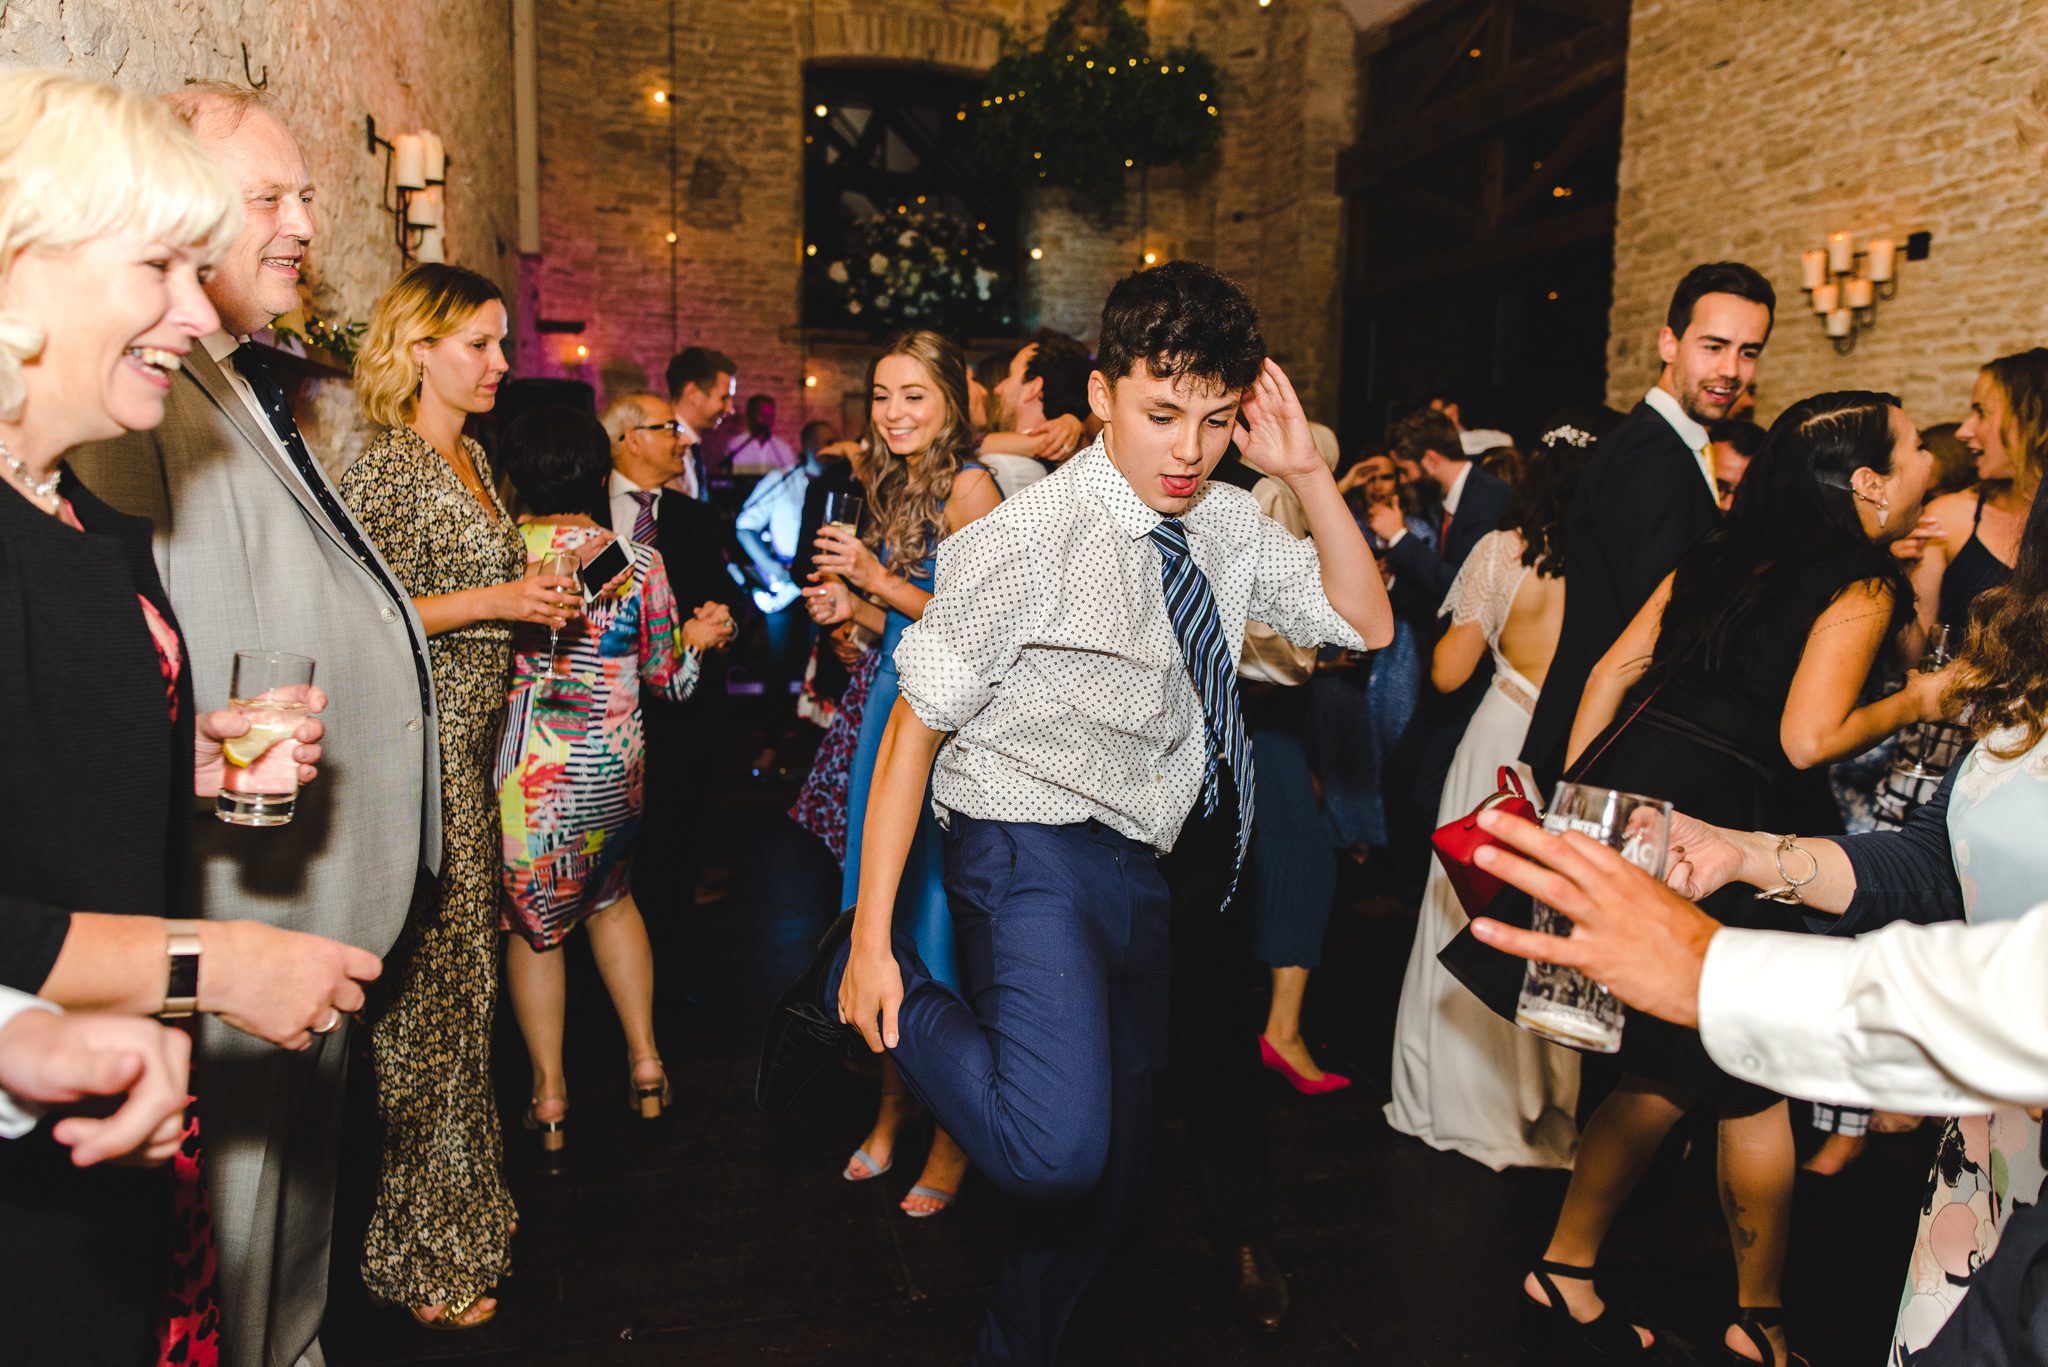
570	768
440	1236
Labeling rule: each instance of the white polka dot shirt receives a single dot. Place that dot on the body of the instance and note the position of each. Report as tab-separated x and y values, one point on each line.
1048	654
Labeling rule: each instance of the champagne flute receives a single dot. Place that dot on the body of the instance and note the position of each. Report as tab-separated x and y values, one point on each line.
562	564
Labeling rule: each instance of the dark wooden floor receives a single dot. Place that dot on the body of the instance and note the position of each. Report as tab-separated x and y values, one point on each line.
720	1235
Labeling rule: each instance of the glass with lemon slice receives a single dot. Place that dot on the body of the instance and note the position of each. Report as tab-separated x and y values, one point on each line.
260	780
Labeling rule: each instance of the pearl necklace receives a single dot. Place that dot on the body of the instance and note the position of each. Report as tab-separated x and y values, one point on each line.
46	490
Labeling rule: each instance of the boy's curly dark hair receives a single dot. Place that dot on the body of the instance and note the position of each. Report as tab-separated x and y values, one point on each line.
1182	318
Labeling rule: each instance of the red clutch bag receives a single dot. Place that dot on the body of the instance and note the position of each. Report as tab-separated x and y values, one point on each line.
1458	841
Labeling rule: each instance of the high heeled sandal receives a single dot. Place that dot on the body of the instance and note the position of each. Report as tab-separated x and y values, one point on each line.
1552	1328
450	1318
648	1100
552	1137
1753	1320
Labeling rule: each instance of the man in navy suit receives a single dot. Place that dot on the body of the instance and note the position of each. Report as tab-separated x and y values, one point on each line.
683	739
1648	493
1471	501
1471	504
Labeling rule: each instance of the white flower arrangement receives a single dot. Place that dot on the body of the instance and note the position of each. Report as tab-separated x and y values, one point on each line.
928	269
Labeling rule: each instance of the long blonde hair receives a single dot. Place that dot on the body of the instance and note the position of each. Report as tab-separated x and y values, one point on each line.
429	302
907	491
82	160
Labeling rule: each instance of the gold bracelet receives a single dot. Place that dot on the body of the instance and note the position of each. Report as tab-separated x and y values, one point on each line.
1788	892
181	982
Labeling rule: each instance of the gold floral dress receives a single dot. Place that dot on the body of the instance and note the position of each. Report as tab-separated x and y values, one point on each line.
441	1230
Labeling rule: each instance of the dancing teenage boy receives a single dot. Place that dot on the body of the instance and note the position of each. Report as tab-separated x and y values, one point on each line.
1071	694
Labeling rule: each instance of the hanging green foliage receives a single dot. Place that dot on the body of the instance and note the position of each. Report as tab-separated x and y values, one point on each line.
1093	102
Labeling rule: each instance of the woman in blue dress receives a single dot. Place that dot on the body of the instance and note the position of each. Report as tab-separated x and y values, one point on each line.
924	485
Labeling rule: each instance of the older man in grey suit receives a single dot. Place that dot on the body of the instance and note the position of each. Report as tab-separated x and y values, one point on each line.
256	550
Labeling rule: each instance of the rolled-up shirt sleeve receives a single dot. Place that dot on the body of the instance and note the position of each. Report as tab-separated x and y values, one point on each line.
1287	594
992	591
17	1117
1947	1019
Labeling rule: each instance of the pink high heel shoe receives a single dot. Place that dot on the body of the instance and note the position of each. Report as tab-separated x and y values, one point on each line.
1328	1082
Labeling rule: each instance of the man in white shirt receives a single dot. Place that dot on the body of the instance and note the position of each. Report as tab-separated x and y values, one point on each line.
49	1058
1074	679
759	451
1944	1019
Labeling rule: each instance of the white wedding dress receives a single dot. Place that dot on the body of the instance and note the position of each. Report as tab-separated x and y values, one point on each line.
1465	1080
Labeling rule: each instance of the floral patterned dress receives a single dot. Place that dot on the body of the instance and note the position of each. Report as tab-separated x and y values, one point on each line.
571	765
441	1231
1985	1165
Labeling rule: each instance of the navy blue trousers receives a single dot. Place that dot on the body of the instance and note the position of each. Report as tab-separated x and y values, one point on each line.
1046	1072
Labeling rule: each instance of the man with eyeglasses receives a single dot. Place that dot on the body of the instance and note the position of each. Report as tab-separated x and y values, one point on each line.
649	448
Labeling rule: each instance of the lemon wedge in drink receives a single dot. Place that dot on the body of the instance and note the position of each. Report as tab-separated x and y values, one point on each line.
243	751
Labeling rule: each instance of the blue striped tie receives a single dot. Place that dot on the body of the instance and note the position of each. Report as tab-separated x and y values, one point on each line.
1206	649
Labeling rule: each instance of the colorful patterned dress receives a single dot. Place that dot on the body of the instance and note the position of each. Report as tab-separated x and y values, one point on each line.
441	1231
572	760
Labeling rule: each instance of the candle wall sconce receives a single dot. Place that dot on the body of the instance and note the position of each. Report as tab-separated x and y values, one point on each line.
1844	284
415	173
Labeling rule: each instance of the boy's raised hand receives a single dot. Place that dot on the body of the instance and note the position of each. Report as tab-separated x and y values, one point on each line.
1278	443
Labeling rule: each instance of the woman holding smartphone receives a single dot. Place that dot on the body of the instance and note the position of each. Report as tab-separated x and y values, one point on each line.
569	774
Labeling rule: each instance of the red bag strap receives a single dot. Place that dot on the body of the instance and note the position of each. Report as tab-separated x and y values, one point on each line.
1510	781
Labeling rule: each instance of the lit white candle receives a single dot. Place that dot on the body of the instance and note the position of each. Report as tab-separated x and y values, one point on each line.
1856	293
434	158
434	247
423	209
409	161
1881	249
1841	251
1813	269
1839	322
1824	299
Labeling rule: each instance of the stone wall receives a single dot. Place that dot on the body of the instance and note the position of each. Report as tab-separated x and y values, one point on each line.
1264	209
328	64
1753	129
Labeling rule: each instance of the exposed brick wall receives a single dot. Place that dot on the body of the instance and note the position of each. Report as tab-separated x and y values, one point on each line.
1753	129
1264	208
445	66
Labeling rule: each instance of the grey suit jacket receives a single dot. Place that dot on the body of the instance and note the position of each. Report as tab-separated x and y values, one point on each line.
251	561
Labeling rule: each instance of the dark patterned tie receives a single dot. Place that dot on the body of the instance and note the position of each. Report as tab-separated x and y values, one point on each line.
249	362
1206	649
643	521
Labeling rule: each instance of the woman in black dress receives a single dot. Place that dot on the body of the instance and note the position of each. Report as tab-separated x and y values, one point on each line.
1728	694
109	211
1980	528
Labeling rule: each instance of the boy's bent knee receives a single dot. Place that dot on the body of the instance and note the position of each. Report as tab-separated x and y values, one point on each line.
1060	1171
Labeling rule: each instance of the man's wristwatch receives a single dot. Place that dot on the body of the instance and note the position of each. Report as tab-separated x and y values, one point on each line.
181	986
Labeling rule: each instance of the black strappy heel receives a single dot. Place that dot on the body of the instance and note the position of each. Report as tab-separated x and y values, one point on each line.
1752	1320
1551	1328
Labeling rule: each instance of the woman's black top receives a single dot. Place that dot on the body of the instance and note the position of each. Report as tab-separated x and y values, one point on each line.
99	783
1973	571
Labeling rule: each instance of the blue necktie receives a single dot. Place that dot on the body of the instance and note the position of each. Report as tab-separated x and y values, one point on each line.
1206	649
